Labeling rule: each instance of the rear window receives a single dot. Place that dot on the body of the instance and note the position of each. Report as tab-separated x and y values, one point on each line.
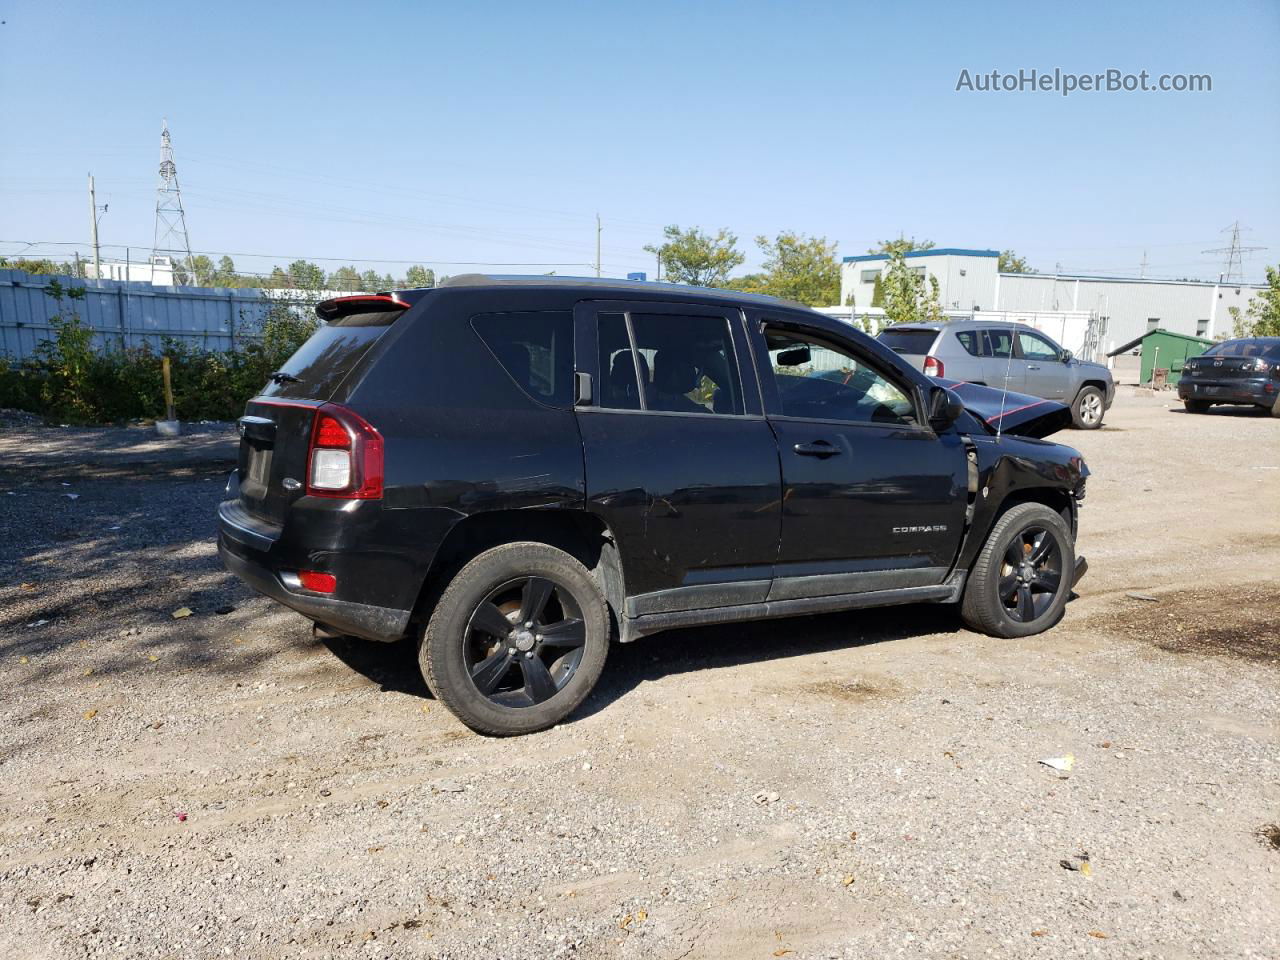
908	341
325	360
1245	348
536	350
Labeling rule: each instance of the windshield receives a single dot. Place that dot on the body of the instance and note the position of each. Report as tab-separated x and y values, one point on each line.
1268	348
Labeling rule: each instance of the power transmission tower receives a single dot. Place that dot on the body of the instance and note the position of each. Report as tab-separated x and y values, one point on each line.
171	222
1233	268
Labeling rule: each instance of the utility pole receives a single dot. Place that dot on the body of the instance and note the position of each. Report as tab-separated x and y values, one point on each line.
93	230
597	244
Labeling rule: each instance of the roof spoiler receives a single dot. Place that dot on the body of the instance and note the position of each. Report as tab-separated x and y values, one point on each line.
338	307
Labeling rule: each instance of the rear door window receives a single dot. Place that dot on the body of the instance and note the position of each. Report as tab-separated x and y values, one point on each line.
906	341
668	363
1000	343
535	348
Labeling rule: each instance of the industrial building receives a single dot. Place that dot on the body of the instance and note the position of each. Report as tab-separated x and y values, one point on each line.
1088	314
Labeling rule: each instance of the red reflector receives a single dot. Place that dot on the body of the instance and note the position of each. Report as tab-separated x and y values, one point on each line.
319	582
330	434
933	367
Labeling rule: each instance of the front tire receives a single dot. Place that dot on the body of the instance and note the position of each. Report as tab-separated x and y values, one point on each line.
1088	408
1021	580
517	641
1196	406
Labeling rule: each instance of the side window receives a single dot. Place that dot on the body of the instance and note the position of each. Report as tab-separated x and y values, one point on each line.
620	386
689	361
1036	348
536	350
822	381
1000	343
971	340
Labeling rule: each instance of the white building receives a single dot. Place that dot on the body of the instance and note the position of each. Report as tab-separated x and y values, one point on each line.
157	271
1096	314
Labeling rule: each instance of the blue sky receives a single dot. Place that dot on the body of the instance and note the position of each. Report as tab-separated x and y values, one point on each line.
495	131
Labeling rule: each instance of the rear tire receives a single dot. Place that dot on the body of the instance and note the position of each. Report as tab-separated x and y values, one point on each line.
496	673
1088	409
1018	599
1196	406
1275	408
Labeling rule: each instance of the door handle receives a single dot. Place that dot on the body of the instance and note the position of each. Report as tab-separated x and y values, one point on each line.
1032	366
819	448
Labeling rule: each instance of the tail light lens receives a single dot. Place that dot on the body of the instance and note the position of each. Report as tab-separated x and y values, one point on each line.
345	458
933	367
319	582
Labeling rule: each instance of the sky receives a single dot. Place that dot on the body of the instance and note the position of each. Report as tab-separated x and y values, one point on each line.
493	133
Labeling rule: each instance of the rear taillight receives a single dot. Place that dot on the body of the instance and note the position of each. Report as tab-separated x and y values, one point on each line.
933	367
345	458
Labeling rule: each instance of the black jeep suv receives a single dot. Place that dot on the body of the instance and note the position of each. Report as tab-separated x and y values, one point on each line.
518	471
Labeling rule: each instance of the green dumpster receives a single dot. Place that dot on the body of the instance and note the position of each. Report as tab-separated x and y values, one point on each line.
1166	349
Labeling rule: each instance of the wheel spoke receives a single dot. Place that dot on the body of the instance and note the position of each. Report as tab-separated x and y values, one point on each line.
1014	555
1047	581
487	674
1026	609
566	633
537	592
491	620
1008	587
538	684
1043	544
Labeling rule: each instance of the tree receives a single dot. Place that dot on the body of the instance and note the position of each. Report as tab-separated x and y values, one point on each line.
43	267
1010	262
202	267
908	297
305	275
345	278
799	268
417	276
1262	318
370	282
696	258
877	291
901	245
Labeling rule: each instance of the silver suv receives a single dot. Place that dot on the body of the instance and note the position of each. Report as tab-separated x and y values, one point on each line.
1006	354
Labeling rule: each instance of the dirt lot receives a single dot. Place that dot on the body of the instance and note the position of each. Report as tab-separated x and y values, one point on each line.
862	785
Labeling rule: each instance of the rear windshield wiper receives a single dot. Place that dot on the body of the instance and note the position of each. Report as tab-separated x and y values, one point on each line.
281	377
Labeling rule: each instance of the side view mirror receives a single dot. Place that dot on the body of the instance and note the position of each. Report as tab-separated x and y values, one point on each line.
795	357
1066	356
944	408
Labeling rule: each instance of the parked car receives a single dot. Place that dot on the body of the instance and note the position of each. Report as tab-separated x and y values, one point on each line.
519	471
1241	371
1002	354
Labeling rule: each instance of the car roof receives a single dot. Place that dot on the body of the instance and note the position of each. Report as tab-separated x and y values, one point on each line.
625	288
947	324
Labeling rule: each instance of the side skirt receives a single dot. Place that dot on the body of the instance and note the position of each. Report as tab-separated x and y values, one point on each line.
633	628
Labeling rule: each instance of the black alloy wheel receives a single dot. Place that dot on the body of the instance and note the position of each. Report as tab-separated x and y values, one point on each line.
1031	574
524	642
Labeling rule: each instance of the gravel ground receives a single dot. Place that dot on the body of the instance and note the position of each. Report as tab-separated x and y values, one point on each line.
861	785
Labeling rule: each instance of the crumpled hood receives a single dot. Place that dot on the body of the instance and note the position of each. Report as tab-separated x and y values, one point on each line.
1013	413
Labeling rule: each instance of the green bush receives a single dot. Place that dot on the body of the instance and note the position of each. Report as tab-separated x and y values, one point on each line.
67	381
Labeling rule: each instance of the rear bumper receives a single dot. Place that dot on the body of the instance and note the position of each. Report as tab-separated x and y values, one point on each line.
359	619
1253	390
